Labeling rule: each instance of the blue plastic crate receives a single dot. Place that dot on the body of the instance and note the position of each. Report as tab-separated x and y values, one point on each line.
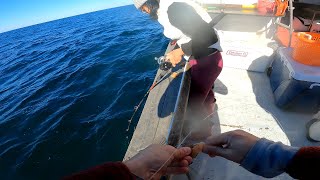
295	85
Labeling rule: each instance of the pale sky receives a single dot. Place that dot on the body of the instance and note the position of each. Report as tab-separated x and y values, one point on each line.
15	14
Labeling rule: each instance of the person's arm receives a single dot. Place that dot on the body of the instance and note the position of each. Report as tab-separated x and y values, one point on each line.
112	170
305	164
185	18
151	163
268	159
259	156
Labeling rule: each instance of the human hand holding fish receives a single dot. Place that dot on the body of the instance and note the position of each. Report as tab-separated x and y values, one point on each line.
158	160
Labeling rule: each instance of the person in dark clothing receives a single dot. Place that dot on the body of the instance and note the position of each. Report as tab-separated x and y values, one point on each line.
189	25
259	156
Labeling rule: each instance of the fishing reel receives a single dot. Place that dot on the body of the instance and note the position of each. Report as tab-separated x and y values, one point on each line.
163	64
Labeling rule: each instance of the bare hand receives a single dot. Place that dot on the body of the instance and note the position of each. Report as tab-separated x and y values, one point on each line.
233	145
174	56
158	160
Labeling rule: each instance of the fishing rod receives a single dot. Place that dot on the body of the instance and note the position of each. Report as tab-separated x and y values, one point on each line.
166	67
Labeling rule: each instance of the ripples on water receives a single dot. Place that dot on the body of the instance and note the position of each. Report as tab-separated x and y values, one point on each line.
68	87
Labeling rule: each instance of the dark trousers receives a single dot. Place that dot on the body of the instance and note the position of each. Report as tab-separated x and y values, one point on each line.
204	72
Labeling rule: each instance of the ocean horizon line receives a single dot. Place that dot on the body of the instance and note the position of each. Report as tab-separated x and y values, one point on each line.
6	31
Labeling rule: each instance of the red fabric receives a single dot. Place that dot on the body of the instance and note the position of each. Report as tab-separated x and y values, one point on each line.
305	164
204	72
111	170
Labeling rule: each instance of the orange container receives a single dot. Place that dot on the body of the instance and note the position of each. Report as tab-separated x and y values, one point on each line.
307	48
283	35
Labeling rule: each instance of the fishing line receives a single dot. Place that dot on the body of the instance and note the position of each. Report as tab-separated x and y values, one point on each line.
183	140
165	66
160	78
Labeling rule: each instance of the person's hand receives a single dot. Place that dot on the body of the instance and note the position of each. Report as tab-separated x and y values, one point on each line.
233	145
175	56
158	160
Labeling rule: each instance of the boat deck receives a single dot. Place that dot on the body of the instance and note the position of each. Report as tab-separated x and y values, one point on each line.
245	101
244	96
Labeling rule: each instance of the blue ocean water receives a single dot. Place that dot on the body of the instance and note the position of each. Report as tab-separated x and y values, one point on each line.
68	88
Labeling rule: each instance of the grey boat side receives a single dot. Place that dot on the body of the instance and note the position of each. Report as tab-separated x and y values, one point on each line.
161	120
